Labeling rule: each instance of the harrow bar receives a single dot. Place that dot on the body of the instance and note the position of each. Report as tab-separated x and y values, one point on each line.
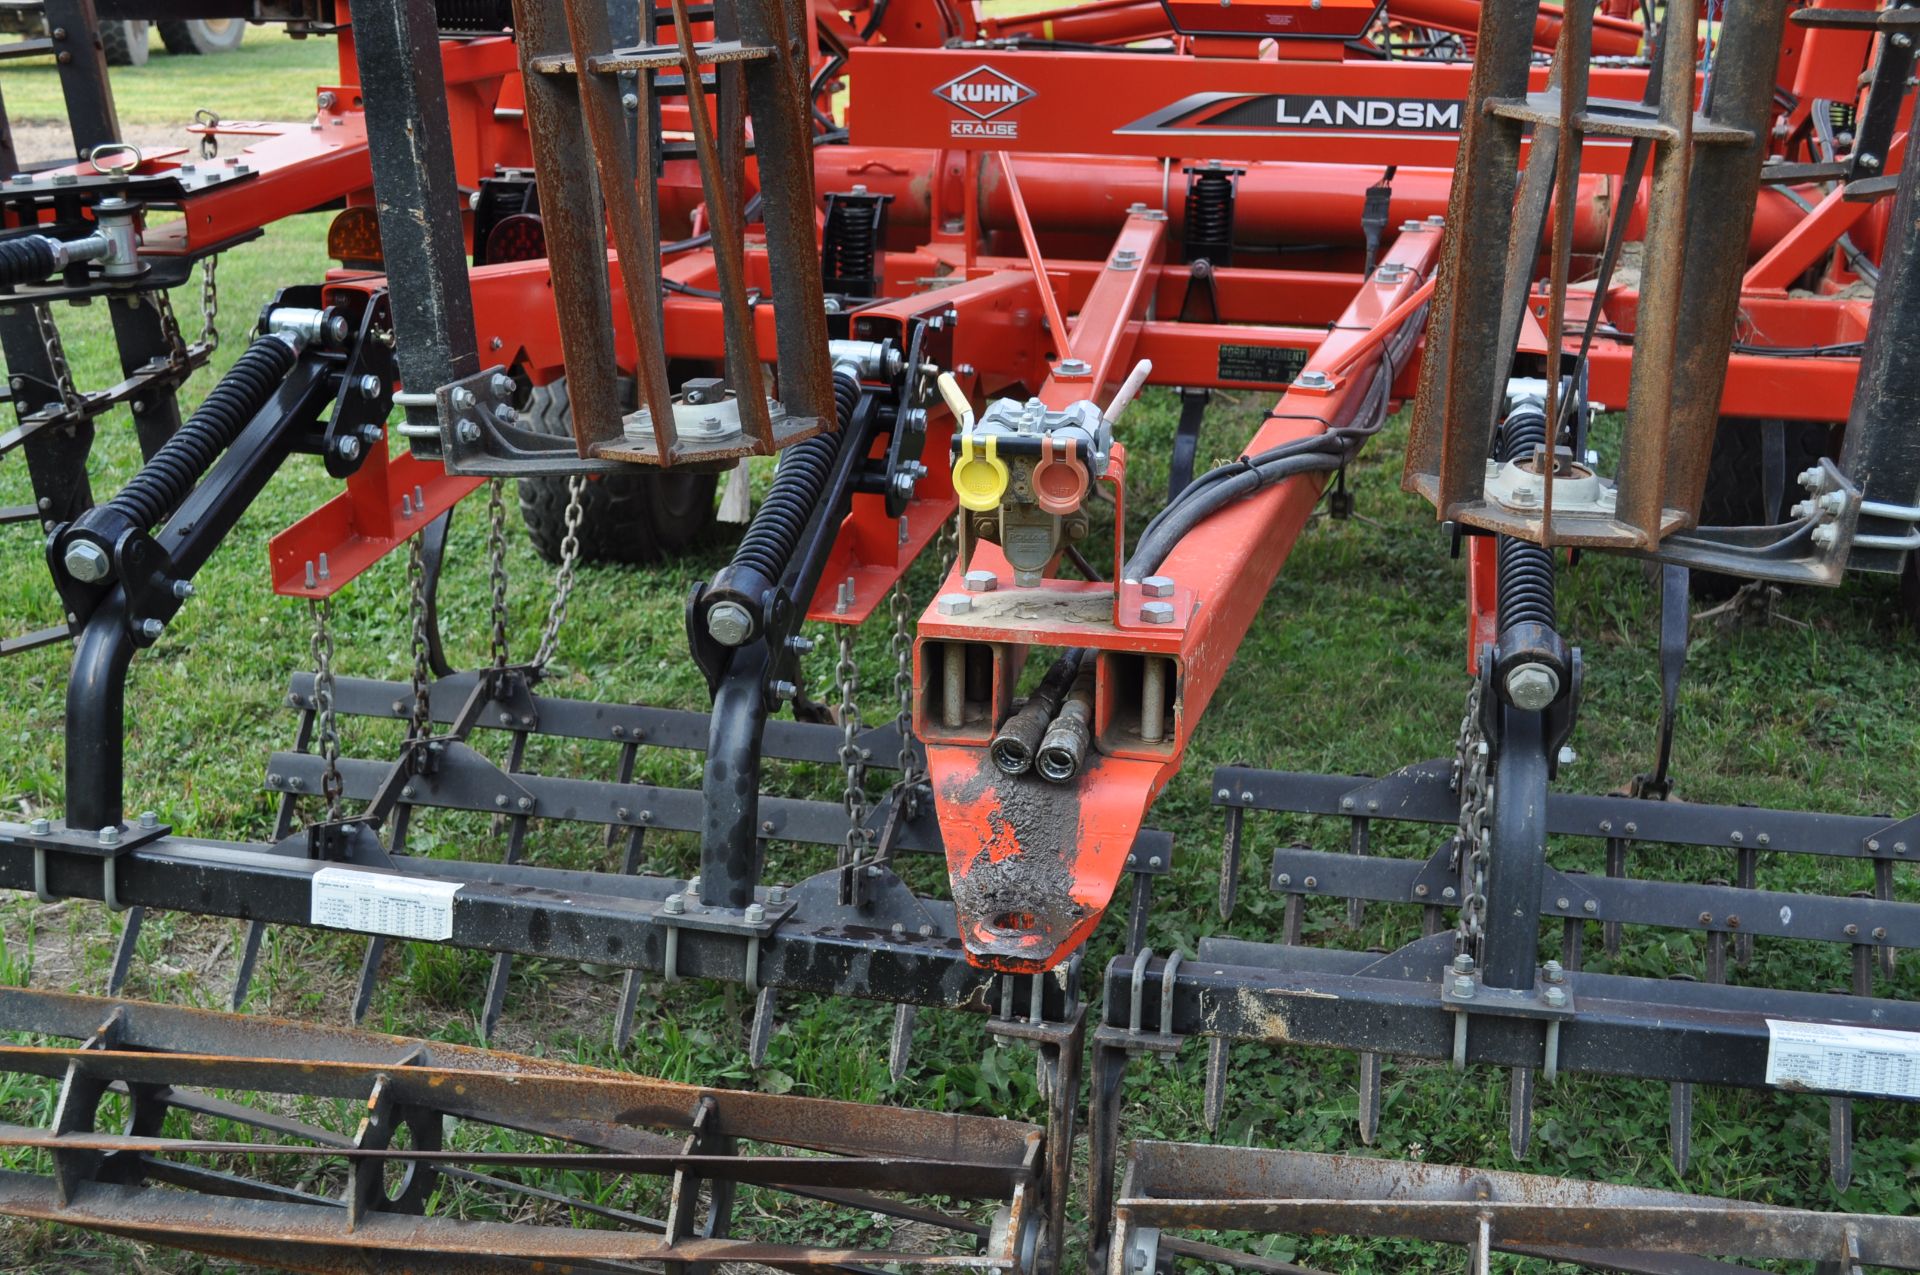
610	1123
1595	1224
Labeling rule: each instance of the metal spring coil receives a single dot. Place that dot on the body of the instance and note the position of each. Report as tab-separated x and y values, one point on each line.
790	502
164	481
1526	569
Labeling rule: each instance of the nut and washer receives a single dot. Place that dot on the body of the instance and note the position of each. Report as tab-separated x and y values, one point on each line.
980	582
1157	612
954	604
1157	586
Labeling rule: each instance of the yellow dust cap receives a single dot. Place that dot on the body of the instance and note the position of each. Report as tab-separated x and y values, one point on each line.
979	480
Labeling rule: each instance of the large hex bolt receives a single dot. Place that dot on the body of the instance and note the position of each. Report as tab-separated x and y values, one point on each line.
1532	687
729	623
87	562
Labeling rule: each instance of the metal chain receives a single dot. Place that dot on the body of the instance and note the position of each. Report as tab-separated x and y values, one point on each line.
852	759
497	567
563	578
162	302
209	303
1474	786
326	723
56	354
421	721
902	644
948	544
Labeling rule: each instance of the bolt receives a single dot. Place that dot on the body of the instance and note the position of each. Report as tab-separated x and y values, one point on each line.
1153	861
504	413
766	825
755	914
784	691
776	894
1737	837
183	589
1556	996
693	886
1313	380
326	99
463	399
468	430
1532	687
500	800
1589	906
674	905
1312	883
152	627
149	819
1074	367
1874	844
630	102
1554	971
110	835
370	386
1852	930
1157	586
980	582
954	604
1421	891
501	384
1156	612
1463	964
1448	893
87	561
1463	987
41	827
526	803
729	623
348	447
1568	756
799	645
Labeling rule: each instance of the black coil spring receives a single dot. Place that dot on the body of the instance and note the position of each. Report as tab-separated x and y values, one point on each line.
1209	227
28	259
164	481
849	236
1526	569
796	489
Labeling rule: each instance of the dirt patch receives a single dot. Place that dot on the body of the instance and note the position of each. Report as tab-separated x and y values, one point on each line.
39	141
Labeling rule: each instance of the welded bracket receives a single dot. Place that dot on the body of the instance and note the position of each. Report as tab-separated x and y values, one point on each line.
1464	992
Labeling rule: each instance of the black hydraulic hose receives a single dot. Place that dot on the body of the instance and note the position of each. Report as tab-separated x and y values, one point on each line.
28	259
165	481
1526	594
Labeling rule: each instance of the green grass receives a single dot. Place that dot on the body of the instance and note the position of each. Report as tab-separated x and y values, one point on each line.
269	77
1354	664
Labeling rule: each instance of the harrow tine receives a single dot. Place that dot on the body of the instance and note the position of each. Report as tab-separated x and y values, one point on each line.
1362	845
765	1011
1216	1092
496	997
1520	1112
369	974
244	964
284	813
1370	1096
1680	1102
623	1014
900	1043
1230	861
123	950
1883	889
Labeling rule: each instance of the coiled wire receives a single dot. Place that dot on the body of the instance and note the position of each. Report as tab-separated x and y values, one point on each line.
802	476
164	481
1526	569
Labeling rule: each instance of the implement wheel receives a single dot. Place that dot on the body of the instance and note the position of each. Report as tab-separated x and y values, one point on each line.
203	35
635	518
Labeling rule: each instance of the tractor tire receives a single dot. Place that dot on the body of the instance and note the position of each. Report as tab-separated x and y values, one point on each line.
125	43
635	518
1735	494
203	35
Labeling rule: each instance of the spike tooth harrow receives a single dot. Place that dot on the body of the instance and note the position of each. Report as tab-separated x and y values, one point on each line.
150	1182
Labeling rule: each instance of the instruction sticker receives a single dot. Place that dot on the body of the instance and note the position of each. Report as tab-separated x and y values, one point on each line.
375	903
1862	1060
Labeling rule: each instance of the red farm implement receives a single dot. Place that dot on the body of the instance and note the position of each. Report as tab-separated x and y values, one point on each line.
928	256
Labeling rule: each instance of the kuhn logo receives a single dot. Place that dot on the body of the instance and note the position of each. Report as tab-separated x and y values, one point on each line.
984	93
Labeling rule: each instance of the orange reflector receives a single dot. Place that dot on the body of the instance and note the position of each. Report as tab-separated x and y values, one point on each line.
354	239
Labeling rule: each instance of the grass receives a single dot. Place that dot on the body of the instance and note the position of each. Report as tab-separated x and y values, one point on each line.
1353	665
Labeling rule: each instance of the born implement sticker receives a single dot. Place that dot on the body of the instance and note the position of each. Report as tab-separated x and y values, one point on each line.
378	903
1833	1059
1260	364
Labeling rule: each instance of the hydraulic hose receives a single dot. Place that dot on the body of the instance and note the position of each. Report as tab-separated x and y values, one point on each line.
165	481
28	259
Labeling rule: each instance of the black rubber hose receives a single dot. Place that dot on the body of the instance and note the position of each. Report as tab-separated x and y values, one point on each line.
1526	569
28	259
797	484
164	481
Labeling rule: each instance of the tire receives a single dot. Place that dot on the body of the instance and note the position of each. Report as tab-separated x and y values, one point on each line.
203	35
125	43
635	518
1735	494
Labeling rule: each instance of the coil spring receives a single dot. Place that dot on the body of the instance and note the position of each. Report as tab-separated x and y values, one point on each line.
1209	214
850	236
25	260
797	484
1526	569
473	15
164	481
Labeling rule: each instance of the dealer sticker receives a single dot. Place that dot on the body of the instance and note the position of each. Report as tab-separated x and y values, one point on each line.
378	903
1862	1060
